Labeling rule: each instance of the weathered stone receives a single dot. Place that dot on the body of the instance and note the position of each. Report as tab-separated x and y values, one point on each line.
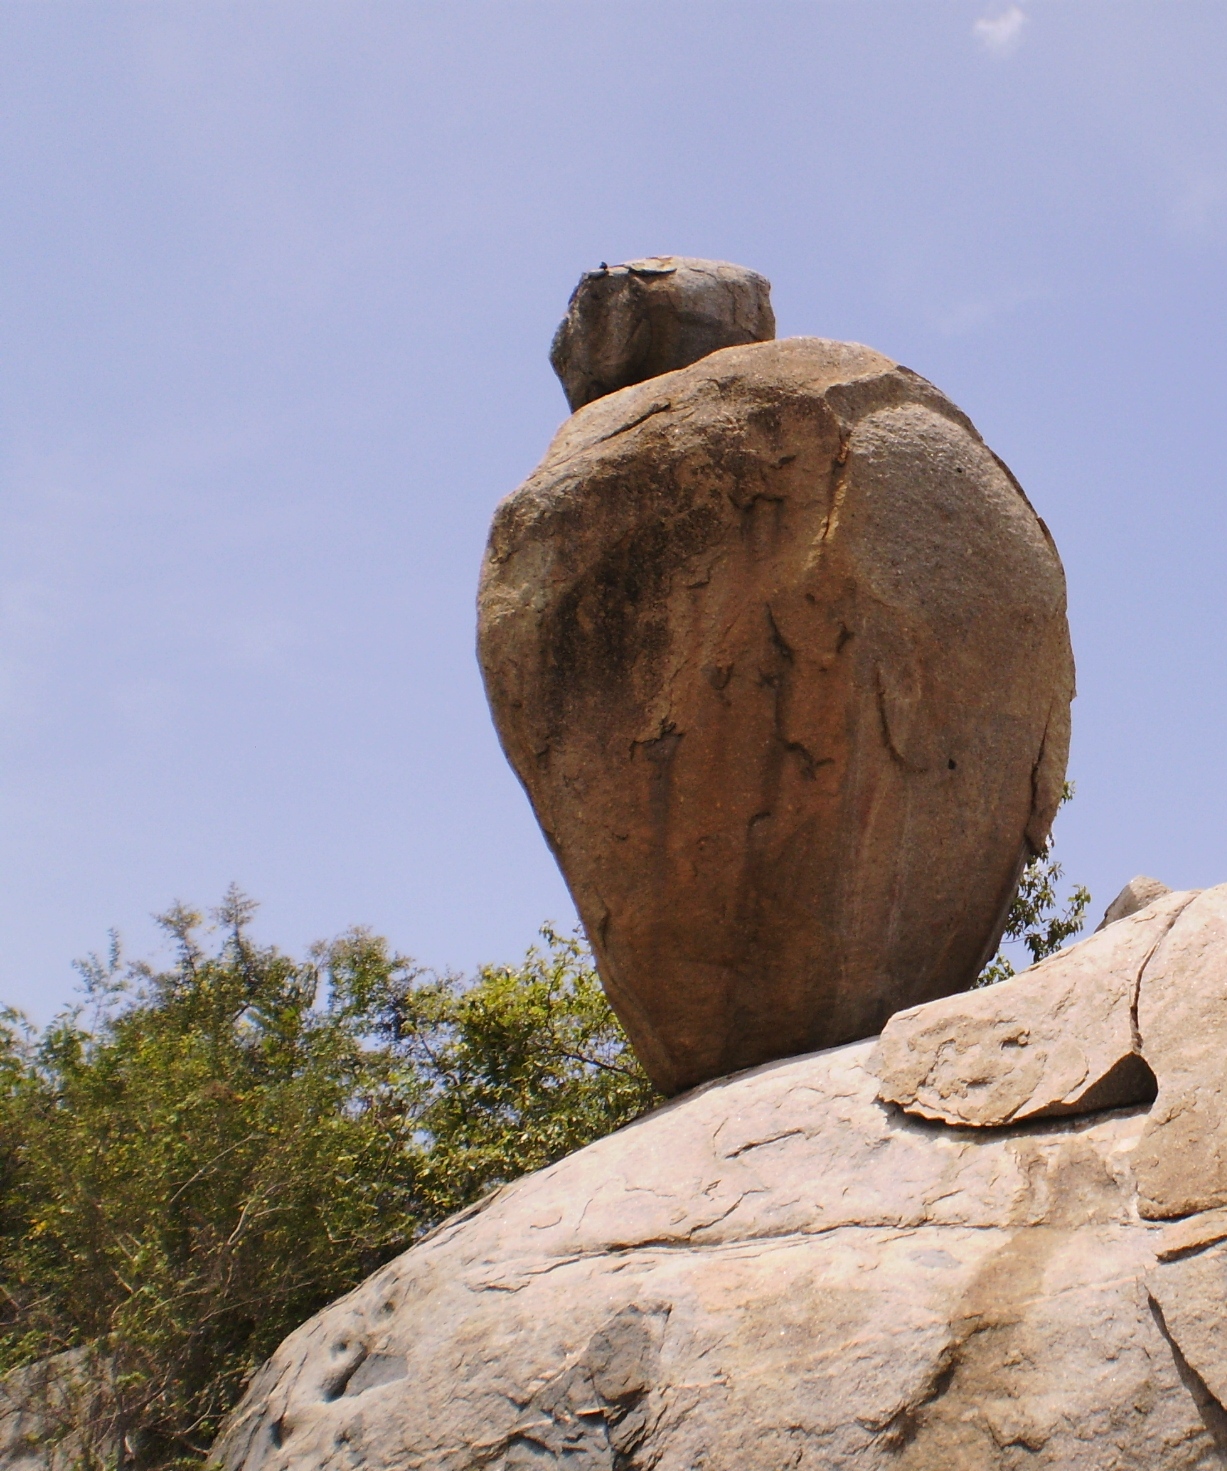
778	1270
1182	1018
1072	1035
1190	1298
1060	1038
634	321
1191	1233
59	1414
1137	894
778	648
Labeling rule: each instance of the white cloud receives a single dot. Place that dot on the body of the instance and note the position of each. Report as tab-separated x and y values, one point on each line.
1000	34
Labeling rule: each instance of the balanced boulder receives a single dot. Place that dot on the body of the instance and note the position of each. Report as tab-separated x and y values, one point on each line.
778	648
629	322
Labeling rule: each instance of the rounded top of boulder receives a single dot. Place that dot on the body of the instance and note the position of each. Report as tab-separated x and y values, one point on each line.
635	320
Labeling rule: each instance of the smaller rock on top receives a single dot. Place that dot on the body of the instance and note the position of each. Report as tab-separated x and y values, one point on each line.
633	321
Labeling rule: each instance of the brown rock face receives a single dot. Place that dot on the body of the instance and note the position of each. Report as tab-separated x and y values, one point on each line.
630	322
778	648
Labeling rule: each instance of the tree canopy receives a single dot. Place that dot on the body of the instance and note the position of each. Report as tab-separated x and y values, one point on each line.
194	1160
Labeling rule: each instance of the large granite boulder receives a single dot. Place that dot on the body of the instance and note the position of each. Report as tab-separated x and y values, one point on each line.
784	1269
778	648
633	321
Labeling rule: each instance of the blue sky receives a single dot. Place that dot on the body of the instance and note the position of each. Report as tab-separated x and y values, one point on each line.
280	281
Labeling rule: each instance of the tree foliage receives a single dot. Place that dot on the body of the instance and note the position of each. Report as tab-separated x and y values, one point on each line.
196	1159
1036	917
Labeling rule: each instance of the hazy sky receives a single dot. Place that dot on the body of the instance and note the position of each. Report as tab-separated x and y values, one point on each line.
279	281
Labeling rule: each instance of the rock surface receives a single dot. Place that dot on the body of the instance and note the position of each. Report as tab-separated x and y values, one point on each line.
778	648
634	321
1137	894
59	1414
1140	1006
1060	1038
1182	1018
782	1270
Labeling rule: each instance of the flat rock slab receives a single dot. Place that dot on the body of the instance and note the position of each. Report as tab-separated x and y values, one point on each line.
1182	1022
778	648
1189	1297
1137	1010
779	1270
1060	1038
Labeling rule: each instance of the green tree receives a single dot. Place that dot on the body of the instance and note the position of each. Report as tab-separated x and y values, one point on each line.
196	1159
1036	916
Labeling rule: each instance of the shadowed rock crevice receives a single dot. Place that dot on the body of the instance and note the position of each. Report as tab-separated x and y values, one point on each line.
1213	1416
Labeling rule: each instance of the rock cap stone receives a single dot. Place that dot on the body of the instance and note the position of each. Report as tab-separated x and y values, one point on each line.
633	321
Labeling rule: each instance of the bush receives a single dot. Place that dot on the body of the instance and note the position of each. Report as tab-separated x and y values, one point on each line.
196	1160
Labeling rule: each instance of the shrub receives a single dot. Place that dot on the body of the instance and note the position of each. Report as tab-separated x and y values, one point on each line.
197	1159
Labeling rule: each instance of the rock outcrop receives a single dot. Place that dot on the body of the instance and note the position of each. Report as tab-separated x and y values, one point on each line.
634	321
784	1269
1141	1006
59	1414
778	648
1061	1038
1137	894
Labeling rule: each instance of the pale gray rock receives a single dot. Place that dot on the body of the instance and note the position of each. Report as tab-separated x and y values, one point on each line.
1060	1038
778	1270
1072	1035
1137	894
1190	1296
629	322
1182	1018
1192	1232
59	1414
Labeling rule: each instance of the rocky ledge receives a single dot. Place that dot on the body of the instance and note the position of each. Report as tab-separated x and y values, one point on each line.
992	1238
